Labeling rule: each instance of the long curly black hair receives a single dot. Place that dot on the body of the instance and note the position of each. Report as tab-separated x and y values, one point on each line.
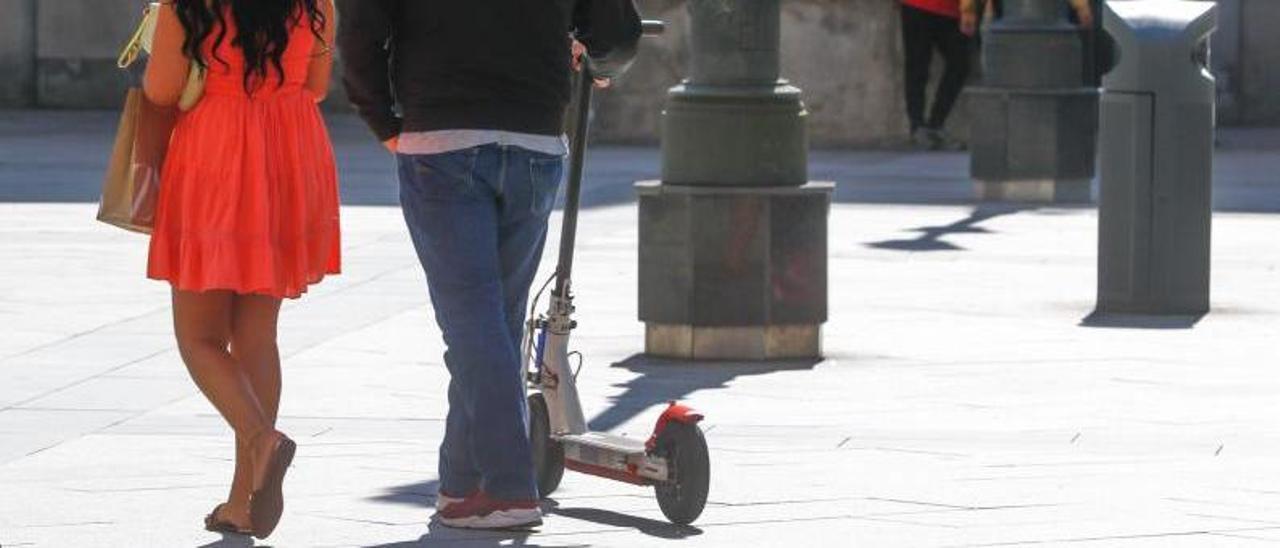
262	30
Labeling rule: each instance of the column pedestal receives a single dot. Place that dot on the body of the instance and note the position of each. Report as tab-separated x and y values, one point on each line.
1033	146
1035	120
733	240
733	272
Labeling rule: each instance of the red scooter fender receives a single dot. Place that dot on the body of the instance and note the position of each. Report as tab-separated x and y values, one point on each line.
675	412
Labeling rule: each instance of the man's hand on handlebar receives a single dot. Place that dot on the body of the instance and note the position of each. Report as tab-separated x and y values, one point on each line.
580	50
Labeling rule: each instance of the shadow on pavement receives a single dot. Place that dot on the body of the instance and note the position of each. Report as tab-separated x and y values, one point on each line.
232	541
1139	321
932	238
650	527
414	494
439	535
424	494
661	380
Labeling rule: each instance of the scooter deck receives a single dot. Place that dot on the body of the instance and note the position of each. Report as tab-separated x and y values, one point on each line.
606	442
613	457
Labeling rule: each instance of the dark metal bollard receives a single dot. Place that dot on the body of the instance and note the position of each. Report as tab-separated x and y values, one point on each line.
733	240
1034	126
1155	210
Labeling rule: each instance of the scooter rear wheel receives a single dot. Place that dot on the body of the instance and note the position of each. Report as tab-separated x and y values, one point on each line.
684	496
548	454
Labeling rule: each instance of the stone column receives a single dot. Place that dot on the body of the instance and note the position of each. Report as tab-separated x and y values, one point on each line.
1034	129
733	240
17	53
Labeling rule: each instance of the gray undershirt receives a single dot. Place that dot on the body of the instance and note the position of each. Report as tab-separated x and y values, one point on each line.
450	140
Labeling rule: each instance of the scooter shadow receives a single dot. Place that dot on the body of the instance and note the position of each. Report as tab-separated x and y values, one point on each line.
439	535
661	380
650	527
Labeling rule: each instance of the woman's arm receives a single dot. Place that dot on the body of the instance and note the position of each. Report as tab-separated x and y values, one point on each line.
322	57
168	66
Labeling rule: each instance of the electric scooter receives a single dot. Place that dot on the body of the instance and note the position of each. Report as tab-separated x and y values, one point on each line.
674	460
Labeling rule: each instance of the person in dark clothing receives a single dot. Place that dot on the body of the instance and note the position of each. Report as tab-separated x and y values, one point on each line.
929	25
471	96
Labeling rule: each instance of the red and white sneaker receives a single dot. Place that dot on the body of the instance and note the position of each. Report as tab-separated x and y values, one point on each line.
443	501
478	511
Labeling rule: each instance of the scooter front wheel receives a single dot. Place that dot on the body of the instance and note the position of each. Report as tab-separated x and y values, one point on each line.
683	497
548	454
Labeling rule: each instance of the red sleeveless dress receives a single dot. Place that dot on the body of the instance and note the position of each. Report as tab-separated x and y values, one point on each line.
248	196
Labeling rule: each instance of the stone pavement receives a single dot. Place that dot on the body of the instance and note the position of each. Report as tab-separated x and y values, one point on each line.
968	399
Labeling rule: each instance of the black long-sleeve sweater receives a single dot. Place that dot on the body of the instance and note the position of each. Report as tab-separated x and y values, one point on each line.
422	65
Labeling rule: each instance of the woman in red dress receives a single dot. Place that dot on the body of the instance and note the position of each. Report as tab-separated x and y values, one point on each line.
247	214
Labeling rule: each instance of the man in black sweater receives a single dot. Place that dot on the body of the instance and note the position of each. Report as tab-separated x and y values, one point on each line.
470	96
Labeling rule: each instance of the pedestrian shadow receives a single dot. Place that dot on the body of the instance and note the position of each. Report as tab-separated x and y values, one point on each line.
608	518
421	494
932	238
1114	320
659	380
439	535
424	494
230	540
662	380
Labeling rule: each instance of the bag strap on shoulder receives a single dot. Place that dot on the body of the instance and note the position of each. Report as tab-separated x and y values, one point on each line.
135	46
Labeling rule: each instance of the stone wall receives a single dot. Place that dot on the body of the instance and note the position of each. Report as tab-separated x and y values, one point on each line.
77	44
17	53
842	52
1258	85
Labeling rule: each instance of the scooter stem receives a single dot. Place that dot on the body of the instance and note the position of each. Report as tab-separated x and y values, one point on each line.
558	383
573	194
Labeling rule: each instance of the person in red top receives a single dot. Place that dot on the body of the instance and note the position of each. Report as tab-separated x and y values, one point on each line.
928	25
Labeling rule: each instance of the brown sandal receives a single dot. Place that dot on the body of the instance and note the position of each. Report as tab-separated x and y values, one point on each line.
267	502
216	524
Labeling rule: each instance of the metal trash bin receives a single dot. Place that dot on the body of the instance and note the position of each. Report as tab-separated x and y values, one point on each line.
1157	124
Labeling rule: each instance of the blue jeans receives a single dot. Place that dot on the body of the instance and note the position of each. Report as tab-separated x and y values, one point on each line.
478	219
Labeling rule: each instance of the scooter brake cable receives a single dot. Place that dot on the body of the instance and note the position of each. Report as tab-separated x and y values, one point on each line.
579	368
533	306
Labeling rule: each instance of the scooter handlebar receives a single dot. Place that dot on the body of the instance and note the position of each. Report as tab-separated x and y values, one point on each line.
650	27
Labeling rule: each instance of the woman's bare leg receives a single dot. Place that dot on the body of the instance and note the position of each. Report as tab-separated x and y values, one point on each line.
203	328
253	346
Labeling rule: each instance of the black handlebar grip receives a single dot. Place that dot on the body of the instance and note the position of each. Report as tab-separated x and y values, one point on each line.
651	27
